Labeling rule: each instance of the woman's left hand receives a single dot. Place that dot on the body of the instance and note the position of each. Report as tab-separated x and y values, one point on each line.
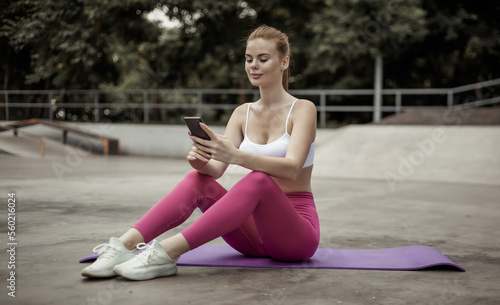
218	147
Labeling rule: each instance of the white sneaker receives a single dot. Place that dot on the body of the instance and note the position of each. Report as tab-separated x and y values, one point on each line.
151	263
111	254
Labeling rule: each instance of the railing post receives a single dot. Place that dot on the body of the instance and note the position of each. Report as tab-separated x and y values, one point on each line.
145	100
64	136
398	102
106	147
6	106
450	98
377	98
199	103
42	147
49	102
96	105
322	112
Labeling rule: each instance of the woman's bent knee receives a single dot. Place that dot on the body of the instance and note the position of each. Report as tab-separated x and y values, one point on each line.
195	176
260	178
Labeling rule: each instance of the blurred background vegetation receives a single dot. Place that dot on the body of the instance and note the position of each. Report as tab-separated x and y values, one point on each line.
160	44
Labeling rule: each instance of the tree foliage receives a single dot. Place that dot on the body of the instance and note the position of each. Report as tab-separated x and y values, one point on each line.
77	44
113	44
362	30
462	46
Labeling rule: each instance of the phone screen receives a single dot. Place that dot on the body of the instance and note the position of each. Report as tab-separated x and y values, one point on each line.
193	123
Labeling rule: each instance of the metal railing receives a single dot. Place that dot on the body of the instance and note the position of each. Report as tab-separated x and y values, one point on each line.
200	95
111	146
17	132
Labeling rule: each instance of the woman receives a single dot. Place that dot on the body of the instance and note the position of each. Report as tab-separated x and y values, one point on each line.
268	213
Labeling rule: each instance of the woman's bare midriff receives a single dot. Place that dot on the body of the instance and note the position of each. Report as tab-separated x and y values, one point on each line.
301	184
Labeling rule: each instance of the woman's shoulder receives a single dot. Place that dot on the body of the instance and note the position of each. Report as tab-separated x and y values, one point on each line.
241	109
239	114
305	105
304	111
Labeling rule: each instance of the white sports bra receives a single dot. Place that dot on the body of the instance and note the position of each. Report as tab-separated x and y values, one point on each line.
276	148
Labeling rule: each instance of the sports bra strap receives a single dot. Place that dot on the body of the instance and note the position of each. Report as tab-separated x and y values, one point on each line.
290	112
246	122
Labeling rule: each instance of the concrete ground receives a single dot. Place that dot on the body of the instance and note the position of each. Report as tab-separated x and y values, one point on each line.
375	187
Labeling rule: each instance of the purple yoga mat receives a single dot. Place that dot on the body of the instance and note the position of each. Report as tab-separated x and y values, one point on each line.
401	258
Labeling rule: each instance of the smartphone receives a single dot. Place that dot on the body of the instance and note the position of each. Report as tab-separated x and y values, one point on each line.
193	123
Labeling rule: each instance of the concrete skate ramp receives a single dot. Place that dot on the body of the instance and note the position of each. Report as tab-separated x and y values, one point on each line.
28	147
83	139
446	116
396	153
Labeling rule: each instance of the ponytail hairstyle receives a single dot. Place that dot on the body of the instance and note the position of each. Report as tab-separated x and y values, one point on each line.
282	45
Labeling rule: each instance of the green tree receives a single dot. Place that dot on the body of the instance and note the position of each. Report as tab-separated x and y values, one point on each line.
462	46
79	44
15	61
349	34
211	39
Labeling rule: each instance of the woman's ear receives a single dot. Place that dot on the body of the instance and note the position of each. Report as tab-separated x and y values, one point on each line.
285	63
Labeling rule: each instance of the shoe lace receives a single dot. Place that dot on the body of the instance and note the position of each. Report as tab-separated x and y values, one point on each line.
106	250
146	254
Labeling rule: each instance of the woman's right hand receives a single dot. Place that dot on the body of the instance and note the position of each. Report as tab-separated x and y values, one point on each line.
197	158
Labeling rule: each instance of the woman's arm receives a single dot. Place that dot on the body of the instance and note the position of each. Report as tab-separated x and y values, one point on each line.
289	167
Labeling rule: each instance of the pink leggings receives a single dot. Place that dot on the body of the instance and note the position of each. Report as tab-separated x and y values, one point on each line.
255	216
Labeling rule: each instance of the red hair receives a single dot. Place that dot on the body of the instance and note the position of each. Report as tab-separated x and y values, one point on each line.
282	45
